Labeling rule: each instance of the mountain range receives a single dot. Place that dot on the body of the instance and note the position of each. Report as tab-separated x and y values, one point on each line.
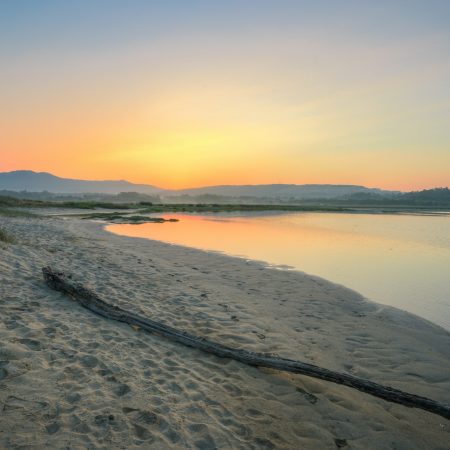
27	180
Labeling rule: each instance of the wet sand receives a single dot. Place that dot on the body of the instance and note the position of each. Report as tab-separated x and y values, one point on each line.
70	379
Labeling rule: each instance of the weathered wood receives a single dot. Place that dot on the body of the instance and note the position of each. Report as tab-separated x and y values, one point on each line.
90	300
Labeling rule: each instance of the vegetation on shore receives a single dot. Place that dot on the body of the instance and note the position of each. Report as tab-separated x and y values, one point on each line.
215	207
8	212
6	237
28	203
132	211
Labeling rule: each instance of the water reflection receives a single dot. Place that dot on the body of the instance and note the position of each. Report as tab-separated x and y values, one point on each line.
400	260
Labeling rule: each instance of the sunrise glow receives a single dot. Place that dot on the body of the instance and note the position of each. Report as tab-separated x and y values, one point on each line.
227	93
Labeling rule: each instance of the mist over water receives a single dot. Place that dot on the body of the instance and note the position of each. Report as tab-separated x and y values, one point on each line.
397	260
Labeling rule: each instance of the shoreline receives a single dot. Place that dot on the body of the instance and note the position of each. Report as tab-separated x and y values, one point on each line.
285	268
281	267
181	397
392	284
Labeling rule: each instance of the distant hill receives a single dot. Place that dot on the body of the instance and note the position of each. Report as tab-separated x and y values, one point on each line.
429	196
29	185
27	180
281	191
438	197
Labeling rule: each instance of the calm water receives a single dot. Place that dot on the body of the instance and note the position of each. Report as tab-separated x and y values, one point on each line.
398	260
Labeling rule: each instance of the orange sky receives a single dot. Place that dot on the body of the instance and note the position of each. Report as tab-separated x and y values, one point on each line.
227	96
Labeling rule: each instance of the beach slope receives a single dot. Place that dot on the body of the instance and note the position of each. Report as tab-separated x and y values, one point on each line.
71	379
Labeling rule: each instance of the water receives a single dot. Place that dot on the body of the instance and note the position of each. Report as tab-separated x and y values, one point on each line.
397	260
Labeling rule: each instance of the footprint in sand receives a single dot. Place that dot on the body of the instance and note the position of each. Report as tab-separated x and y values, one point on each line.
104	420
88	361
142	433
264	444
3	373
122	389
53	427
78	425
146	417
32	344
13	402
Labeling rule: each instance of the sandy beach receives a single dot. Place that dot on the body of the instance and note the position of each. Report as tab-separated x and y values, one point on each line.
70	379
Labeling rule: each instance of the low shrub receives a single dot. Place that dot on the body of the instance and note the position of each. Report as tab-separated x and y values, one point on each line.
6	237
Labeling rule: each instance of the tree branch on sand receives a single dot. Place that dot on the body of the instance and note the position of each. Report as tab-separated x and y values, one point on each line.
90	300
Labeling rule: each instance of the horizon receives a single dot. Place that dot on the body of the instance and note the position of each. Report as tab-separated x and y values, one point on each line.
186	96
213	185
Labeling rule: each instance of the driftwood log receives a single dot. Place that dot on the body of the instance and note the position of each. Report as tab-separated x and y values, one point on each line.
60	282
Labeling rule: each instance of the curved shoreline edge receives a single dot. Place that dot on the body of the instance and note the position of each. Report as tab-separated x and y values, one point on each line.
271	266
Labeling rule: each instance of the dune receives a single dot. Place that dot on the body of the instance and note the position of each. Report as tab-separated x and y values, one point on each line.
71	379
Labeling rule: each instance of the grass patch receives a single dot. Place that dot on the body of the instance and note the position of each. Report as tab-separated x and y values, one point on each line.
9	202
327	205
16	213
217	208
91	205
6	237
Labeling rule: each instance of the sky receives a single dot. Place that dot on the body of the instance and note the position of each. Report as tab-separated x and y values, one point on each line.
186	93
